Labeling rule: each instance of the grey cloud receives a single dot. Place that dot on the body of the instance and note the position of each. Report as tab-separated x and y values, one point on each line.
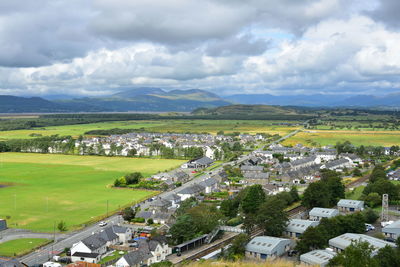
242	45
388	12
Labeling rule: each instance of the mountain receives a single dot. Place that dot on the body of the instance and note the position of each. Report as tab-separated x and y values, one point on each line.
250	110
152	99
318	100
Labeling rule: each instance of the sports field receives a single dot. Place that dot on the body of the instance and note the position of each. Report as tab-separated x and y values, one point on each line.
178	126
327	137
40	189
21	246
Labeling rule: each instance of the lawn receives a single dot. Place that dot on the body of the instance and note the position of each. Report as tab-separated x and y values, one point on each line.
355	193
179	126
41	189
327	137
21	246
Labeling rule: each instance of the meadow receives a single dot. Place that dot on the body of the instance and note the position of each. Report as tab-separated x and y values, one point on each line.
40	189
178	126
22	246
356	137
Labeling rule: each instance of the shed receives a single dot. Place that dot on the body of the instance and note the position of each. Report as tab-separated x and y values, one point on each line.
296	227
350	205
264	247
317	257
317	214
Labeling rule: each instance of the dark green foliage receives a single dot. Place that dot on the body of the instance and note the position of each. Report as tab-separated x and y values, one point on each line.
345	147
357	254
62	226
128	214
383	187
184	229
378	173
373	199
370	216
186	205
388	257
252	200
229	207
271	217
133	178
238	248
357	172
162	264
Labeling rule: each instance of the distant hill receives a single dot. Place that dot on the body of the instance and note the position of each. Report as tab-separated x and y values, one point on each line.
14	104
318	100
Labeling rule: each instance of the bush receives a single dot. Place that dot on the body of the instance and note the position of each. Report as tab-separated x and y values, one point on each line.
150	221
234	221
138	220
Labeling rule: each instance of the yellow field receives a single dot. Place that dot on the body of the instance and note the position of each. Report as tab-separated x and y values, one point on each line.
327	137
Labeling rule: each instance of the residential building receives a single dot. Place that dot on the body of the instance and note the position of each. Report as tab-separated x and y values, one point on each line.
267	247
85	257
337	165
210	185
191	191
317	214
200	163
296	227
349	205
317	257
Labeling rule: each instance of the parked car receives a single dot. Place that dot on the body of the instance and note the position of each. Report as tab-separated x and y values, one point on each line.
369	227
102	224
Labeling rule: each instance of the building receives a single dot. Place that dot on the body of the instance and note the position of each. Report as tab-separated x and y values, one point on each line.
341	242
296	227
200	163
349	205
135	258
85	257
3	224
317	257
337	165
392	230
210	185
191	191
251	169
267	247
317	214
7	262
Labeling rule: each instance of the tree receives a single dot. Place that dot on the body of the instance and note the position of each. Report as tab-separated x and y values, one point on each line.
370	216
132	152
373	199
252	200
388	257
205	217
316	195
128	214
357	254
133	178
229	208
357	172
62	226
383	187
335	188
272	217
312	238
294	193
238	247
377	174
184	229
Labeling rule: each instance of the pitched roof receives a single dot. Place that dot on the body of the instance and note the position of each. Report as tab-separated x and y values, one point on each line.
208	182
203	161
299	226
266	244
350	203
317	257
345	240
393	228
136	257
94	241
86	255
193	189
323	212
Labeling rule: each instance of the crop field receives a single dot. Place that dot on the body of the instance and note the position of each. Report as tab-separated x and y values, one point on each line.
179	126
21	246
328	137
37	190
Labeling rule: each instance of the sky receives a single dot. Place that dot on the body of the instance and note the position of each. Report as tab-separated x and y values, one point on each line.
281	47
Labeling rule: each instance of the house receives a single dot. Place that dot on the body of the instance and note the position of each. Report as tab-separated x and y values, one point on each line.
394	175
349	205
124	233
267	247
392	230
317	214
341	242
210	185
94	244
317	257
338	164
297	227
251	169
135	258
326	155
160	205
163	217
86	257
3	224
353	158
191	191
174	199
305	162
180	176
199	163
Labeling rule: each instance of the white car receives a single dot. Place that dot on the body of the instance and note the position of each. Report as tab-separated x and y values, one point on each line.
369	227
102	224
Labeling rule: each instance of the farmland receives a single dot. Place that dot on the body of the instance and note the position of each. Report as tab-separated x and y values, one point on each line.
178	126
21	246
356	137
40	189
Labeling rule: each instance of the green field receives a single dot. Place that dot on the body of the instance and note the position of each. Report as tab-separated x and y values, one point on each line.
178	126
328	137
21	246
40	189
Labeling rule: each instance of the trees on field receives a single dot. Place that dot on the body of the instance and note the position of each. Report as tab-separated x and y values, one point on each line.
357	254
272	217
252	200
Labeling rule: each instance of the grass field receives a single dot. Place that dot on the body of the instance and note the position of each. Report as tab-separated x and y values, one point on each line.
40	189
209	126
21	246
327	137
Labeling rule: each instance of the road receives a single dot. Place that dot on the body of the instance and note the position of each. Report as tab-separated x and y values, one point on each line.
44	254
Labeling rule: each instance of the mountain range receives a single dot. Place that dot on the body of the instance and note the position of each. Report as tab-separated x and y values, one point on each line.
149	99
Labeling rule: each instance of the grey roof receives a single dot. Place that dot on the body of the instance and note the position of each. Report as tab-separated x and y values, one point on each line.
108	234
94	241
136	257
393	228
262	175
266	244
119	229
299	226
345	240
322	212
10	263
160	202
172	197
303	161
209	182
336	162
181	175
317	257
191	190
350	203
202	161
144	214
252	168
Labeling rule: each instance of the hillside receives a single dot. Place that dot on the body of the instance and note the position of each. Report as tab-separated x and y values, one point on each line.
14	104
258	110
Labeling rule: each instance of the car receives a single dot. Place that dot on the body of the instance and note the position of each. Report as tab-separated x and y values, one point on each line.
369	227
102	224
291	253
